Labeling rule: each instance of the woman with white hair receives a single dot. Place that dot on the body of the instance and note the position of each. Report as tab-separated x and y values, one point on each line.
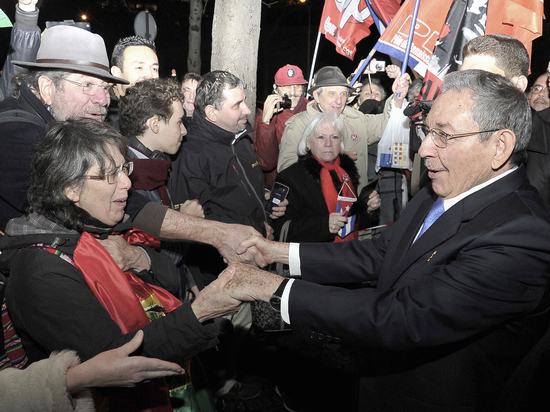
322	185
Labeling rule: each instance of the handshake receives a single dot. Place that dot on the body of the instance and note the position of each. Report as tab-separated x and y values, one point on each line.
242	280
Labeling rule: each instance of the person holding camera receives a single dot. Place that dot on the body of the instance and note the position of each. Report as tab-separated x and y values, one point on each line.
286	100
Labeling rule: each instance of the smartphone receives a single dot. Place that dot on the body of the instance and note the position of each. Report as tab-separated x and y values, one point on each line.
278	194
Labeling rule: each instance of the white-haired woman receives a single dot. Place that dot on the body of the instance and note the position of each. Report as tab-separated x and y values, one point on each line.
319	182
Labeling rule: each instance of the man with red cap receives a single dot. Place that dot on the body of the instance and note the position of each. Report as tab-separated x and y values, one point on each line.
286	101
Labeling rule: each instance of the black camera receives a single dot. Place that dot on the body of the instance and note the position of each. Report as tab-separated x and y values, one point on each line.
286	103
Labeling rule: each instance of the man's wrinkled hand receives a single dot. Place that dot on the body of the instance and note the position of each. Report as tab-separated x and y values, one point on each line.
214	300
229	240
125	255
248	283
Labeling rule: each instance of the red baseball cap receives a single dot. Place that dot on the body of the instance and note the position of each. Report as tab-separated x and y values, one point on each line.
289	75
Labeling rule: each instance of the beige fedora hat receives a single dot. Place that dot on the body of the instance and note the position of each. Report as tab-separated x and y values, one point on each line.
72	49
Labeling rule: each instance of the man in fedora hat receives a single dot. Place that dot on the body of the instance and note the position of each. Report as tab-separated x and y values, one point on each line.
330	90
71	79
286	100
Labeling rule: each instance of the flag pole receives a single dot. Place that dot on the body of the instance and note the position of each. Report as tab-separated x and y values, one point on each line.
312	70
363	66
410	38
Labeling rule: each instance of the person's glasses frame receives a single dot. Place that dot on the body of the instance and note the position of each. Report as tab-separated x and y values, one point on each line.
111	178
538	88
441	138
89	88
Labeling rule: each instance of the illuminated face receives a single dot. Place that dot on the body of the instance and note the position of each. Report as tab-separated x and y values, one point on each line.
138	63
233	111
189	91
294	92
102	200
538	94
79	96
331	98
466	161
171	132
326	143
373	92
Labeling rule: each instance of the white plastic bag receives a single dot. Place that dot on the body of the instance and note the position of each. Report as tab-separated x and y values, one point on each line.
393	147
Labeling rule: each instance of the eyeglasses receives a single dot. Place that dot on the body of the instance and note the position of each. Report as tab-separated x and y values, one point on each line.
440	138
91	89
111	178
538	88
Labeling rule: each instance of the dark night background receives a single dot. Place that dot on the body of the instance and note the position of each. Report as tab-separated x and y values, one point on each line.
288	33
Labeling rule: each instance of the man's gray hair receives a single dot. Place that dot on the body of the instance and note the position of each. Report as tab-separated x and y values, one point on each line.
498	104
210	89
311	130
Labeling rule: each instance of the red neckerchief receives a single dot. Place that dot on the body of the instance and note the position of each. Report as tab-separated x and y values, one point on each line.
120	293
152	174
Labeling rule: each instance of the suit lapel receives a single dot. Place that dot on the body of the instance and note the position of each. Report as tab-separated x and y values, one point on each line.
400	258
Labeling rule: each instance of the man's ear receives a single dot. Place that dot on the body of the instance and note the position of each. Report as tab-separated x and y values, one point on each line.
73	193
520	82
211	113
505	144
152	124
115	71
46	88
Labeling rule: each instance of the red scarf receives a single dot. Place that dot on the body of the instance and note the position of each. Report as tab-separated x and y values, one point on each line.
126	297
152	174
330	193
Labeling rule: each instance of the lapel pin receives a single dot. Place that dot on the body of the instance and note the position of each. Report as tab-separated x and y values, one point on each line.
431	256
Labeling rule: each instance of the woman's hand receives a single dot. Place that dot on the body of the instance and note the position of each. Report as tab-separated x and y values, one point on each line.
336	221
116	367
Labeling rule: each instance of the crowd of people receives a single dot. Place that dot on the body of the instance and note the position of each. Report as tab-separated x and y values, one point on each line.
150	226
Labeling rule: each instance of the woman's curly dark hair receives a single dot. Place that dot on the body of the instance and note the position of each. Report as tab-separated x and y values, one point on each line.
61	160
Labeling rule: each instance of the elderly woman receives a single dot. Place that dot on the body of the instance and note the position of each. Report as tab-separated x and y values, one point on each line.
318	184
75	284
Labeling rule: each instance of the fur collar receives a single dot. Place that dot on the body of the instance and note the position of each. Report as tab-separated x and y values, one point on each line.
313	167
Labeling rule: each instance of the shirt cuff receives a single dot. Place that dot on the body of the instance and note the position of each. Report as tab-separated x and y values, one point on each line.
285	314
294	260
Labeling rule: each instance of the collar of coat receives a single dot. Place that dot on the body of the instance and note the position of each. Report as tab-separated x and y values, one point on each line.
201	128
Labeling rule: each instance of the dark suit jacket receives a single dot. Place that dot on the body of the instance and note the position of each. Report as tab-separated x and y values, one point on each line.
452	314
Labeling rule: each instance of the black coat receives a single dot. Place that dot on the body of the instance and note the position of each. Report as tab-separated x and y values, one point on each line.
452	314
17	141
538	155
221	172
53	308
307	209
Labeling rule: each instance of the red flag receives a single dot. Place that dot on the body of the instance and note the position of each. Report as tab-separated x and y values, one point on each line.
465	21
386	9
430	20
345	24
519	18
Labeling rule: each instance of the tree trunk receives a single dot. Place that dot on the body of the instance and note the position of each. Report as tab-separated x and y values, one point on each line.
194	52
235	38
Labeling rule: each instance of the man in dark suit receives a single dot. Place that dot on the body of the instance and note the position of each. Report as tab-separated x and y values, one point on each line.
457	304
